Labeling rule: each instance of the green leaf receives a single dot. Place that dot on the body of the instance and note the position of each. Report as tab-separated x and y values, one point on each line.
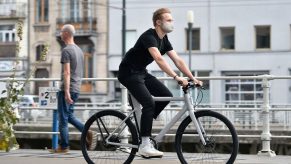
4	91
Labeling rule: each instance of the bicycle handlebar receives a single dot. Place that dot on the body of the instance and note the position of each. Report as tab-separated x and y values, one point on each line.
191	84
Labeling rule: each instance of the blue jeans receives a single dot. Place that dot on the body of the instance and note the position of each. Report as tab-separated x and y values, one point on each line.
66	115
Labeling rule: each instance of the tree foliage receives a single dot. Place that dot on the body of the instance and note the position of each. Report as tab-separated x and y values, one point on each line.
8	103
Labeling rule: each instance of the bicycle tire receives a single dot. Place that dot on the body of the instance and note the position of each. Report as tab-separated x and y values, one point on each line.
191	150
102	124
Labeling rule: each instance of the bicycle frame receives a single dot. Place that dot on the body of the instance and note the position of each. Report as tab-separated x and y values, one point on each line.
188	106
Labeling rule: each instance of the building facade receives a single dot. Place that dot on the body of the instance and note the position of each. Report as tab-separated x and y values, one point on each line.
230	38
90	20
13	12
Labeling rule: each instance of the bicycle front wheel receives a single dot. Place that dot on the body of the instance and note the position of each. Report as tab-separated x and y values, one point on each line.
220	136
111	139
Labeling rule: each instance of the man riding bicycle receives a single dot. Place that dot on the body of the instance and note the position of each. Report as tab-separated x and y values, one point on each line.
151	46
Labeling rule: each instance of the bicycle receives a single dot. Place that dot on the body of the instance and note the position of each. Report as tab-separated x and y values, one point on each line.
118	139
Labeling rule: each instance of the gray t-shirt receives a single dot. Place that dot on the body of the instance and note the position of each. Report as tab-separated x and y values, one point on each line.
74	55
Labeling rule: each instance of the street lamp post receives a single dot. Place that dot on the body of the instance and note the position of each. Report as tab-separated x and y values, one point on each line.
123	28
190	20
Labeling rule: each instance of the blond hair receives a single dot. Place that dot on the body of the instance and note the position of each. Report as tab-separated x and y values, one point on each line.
158	14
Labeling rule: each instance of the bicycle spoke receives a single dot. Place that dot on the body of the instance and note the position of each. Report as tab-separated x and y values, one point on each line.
102	125
219	134
121	137
101	133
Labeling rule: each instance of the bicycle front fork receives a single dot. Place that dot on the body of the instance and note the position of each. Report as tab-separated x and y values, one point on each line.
199	127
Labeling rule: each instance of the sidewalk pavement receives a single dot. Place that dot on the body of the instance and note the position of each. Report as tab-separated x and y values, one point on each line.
33	156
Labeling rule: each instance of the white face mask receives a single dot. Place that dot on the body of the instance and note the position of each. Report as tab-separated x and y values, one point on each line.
167	27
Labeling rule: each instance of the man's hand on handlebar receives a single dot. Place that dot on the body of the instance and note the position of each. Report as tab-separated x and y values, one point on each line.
198	82
182	81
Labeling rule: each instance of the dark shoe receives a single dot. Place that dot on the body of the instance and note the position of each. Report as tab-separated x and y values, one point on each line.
91	140
59	150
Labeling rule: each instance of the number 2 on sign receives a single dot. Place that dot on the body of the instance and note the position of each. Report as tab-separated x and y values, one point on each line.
46	95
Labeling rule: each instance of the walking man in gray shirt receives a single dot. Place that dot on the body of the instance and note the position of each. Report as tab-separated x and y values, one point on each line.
72	60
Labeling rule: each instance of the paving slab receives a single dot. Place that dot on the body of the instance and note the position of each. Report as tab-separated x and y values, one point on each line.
35	156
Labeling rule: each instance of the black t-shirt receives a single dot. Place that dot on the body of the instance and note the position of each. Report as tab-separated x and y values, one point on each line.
138	57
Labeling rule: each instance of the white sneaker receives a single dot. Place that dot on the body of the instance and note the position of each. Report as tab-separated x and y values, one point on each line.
148	151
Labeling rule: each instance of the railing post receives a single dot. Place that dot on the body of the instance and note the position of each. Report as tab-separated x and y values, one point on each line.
266	135
124	97
123	109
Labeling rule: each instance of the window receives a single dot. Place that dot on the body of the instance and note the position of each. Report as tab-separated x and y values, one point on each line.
41	11
7	41
130	39
171	84
263	38
41	73
195	39
227	38
206	85
39	49
7	36
245	91
88	63
206	91
7	33
88	60
116	83
74	10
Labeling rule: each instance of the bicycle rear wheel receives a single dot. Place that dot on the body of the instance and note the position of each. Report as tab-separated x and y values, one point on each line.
102	125
221	140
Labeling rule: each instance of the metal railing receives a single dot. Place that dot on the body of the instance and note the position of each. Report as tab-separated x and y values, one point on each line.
262	117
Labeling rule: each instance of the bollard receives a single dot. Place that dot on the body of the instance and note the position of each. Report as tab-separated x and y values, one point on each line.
266	135
55	125
55	129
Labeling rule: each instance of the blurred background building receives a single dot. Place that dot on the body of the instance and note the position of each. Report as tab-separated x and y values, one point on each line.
11	12
229	38
89	17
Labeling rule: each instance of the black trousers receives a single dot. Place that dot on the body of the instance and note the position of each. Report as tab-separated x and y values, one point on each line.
142	86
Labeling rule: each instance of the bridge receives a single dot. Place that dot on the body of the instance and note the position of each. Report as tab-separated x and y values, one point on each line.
247	123
259	125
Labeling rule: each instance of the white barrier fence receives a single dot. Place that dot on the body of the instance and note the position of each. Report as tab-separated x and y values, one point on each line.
264	117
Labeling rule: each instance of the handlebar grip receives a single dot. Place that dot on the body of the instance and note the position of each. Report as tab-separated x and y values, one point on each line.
180	82
197	85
